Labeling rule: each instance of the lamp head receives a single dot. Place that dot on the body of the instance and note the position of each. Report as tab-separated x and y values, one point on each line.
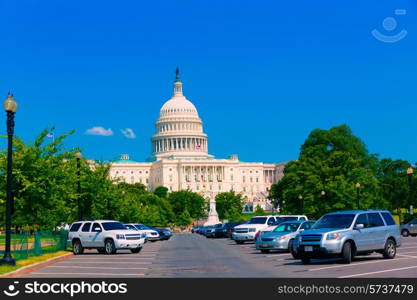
358	185
10	105
410	171
78	155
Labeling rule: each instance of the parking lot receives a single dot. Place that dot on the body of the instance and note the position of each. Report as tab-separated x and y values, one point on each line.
404	265
192	255
92	264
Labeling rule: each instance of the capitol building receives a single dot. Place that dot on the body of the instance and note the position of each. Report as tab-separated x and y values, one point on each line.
180	159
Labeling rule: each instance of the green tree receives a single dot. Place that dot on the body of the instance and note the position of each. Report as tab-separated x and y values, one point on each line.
331	162
44	181
161	191
258	211
193	203
229	205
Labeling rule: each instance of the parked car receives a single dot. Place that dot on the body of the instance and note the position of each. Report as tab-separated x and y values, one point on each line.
246	232
104	235
282	237
151	234
133	228
210	230
226	230
164	234
410	228
280	219
347	234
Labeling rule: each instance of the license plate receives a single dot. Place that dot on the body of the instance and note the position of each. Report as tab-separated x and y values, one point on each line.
264	245
308	248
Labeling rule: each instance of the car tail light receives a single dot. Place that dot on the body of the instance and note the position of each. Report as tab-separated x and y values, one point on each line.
257	235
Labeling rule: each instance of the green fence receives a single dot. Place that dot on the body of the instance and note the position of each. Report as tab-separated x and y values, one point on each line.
25	245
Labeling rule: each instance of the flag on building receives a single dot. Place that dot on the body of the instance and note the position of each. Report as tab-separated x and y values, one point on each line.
197	147
50	135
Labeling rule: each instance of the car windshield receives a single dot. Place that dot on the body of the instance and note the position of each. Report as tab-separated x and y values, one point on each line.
130	227
113	226
334	221
258	220
142	227
288	227
285	219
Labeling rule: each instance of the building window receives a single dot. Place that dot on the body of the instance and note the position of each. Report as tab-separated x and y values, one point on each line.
197	187
132	179
251	179
244	189
147	180
231	177
220	187
257	179
244	179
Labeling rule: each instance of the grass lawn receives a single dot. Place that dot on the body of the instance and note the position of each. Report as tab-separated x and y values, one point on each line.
30	260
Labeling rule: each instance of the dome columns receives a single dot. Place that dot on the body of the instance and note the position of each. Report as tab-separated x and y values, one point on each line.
186	144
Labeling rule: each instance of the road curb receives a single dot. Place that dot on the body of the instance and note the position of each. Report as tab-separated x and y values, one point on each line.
36	266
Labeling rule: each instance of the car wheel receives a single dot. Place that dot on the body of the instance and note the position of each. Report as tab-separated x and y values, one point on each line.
305	260
136	250
239	242
405	233
109	247
101	250
77	248
265	250
347	253
292	249
390	249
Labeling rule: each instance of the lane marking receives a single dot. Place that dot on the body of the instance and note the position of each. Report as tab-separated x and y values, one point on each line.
106	262
407	255
95	274
399	248
113	260
378	272
104	268
357	264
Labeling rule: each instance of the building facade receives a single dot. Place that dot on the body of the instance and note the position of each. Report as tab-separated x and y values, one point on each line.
180	159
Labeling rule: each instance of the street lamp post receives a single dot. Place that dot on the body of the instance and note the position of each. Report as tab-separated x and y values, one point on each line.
358	186
300	197
410	172
10	106
80	211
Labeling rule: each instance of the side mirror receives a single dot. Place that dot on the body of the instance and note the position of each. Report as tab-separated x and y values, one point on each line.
359	226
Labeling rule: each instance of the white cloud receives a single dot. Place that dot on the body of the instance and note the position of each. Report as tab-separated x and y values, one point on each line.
128	133
98	130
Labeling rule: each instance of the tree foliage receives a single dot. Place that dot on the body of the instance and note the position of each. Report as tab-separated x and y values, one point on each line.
323	179
229	205
46	196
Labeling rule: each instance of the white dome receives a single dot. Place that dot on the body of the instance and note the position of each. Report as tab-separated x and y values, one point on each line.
178	105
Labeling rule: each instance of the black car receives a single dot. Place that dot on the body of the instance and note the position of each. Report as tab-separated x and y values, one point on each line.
226	230
164	234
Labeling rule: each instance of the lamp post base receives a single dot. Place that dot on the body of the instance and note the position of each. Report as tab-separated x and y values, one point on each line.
7	260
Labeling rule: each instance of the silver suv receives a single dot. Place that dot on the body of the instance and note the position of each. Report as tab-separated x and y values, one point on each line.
410	228
347	234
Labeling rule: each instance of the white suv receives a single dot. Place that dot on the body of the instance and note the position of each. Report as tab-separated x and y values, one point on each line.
247	231
151	235
104	235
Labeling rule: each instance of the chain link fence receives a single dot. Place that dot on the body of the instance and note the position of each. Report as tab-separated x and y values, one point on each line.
25	245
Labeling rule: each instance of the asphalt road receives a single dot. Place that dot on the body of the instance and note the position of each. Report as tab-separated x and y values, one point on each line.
191	255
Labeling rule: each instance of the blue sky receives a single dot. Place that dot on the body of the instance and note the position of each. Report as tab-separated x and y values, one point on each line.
262	74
